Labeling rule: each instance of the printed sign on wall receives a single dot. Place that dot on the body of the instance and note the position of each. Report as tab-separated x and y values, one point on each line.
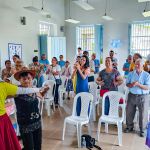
14	49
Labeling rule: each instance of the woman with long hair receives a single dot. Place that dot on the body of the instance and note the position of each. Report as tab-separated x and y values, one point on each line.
81	71
54	74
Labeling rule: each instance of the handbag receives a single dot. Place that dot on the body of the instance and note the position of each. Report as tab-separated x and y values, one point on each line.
58	81
89	142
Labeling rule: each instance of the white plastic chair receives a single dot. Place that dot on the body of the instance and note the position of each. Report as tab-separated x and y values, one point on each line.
49	96
113	116
93	91
86	102
62	90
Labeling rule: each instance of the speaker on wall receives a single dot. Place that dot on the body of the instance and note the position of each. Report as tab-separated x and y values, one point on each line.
23	20
62	28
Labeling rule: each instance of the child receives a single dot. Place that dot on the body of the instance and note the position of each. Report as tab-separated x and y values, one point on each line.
28	116
8	139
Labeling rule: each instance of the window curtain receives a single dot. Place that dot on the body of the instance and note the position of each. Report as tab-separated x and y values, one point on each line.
99	42
129	38
43	44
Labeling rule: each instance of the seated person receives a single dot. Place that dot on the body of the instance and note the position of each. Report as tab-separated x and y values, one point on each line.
6	72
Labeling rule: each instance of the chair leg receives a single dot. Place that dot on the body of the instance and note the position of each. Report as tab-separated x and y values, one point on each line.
106	127
48	107
53	103
98	112
60	99
64	130
89	129
98	130
120	133
94	112
79	134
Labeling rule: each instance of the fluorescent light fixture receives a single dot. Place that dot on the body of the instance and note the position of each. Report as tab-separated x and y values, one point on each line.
31	8
83	4
146	13
36	10
105	17
70	20
143	1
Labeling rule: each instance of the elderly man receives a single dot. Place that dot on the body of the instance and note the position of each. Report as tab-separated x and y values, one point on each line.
138	82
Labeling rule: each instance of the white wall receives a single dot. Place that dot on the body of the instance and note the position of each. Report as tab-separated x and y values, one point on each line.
116	31
111	31
11	30
124	12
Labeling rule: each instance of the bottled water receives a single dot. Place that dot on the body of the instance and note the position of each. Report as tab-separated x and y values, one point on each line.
83	142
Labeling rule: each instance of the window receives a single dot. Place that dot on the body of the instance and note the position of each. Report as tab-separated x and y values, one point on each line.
140	38
86	38
44	28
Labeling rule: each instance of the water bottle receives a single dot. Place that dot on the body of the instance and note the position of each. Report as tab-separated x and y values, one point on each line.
83	142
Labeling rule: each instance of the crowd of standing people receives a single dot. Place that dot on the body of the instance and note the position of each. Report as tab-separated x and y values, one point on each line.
18	78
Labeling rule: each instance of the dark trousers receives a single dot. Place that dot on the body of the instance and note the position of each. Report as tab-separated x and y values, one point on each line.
32	140
56	94
133	102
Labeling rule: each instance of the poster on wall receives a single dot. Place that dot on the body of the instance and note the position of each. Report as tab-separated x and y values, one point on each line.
14	49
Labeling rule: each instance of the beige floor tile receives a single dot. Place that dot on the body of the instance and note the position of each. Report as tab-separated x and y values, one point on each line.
52	134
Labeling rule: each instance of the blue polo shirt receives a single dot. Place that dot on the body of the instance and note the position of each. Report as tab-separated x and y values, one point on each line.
126	65
44	62
61	63
143	78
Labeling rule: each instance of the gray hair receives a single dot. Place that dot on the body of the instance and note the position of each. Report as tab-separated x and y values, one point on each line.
140	60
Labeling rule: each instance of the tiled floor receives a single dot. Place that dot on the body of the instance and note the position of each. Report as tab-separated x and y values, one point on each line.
52	133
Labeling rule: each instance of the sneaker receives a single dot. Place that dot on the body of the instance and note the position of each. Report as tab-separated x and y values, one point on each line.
128	130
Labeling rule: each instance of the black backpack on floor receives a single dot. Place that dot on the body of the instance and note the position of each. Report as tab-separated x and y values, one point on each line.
90	142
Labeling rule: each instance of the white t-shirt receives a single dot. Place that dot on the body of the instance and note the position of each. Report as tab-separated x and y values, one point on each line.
51	76
14	81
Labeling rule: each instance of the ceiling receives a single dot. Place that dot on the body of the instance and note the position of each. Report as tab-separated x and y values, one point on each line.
120	10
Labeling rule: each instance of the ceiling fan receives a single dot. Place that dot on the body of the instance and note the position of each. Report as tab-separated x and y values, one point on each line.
36	10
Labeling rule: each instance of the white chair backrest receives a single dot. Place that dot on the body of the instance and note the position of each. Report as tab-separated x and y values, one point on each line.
86	104
93	90
63	79
95	76
114	99
52	85
45	76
